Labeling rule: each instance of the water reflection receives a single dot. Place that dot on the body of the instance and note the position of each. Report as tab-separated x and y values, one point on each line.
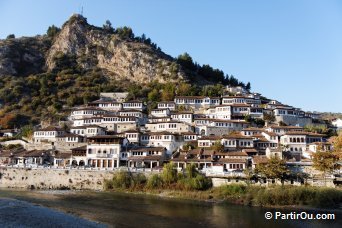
127	210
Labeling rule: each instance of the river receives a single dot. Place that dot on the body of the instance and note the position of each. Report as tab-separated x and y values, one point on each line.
130	210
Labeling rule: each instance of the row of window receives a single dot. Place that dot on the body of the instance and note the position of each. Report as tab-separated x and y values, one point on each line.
104	151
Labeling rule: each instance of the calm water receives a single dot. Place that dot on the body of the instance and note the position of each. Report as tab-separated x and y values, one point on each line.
127	210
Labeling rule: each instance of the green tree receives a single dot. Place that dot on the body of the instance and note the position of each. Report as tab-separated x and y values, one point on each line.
191	170
153	95
125	32
27	131
248	86
169	174
10	36
108	26
186	61
52	31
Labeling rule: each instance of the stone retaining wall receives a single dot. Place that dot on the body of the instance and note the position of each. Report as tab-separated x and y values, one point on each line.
53	178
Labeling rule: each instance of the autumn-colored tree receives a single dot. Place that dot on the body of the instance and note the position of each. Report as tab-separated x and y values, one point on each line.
269	117
8	121
325	162
183	89
168	92
275	168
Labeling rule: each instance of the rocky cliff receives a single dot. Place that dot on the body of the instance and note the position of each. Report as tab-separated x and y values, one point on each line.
90	47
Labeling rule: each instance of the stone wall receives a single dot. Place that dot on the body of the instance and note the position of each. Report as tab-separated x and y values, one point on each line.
53	178
293	120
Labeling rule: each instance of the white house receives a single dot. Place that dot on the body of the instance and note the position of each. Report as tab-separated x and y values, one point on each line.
182	116
106	104
137	105
48	135
196	102
103	151
171	105
165	139
146	157
171	126
85	112
337	123
297	141
161	112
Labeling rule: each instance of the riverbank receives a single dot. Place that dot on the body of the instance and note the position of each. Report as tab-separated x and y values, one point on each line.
286	197
17	213
195	186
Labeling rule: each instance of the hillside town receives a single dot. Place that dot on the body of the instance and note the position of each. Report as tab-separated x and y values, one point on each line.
221	135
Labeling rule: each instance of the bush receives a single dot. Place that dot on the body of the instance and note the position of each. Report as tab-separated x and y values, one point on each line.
201	182
169	174
154	181
138	181
122	180
289	195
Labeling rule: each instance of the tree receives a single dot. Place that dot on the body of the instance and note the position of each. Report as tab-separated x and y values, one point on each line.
218	146
325	162
169	174
168	92
248	86
275	168
186	61
27	131
108	26
338	146
153	95
52	31
183	89
249	174
125	32
10	36
191	170
269	117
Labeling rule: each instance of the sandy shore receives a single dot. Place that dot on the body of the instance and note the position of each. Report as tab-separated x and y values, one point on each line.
15	213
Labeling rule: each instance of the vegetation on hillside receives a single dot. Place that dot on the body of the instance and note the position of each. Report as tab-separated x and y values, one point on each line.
34	94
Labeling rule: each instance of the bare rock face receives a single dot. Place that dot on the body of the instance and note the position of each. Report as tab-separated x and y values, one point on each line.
120	58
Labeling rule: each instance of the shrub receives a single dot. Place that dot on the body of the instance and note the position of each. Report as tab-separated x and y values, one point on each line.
138	181
169	174
191	171
108	184
121	180
154	181
201	182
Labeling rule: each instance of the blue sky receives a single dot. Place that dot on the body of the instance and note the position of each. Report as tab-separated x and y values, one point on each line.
289	50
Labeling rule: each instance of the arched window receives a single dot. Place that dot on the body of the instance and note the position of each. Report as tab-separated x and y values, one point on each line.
202	132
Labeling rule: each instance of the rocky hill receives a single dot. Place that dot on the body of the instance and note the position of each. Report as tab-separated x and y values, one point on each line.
90	47
43	75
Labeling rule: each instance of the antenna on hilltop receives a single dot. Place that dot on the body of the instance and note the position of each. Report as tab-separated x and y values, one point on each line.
82	11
